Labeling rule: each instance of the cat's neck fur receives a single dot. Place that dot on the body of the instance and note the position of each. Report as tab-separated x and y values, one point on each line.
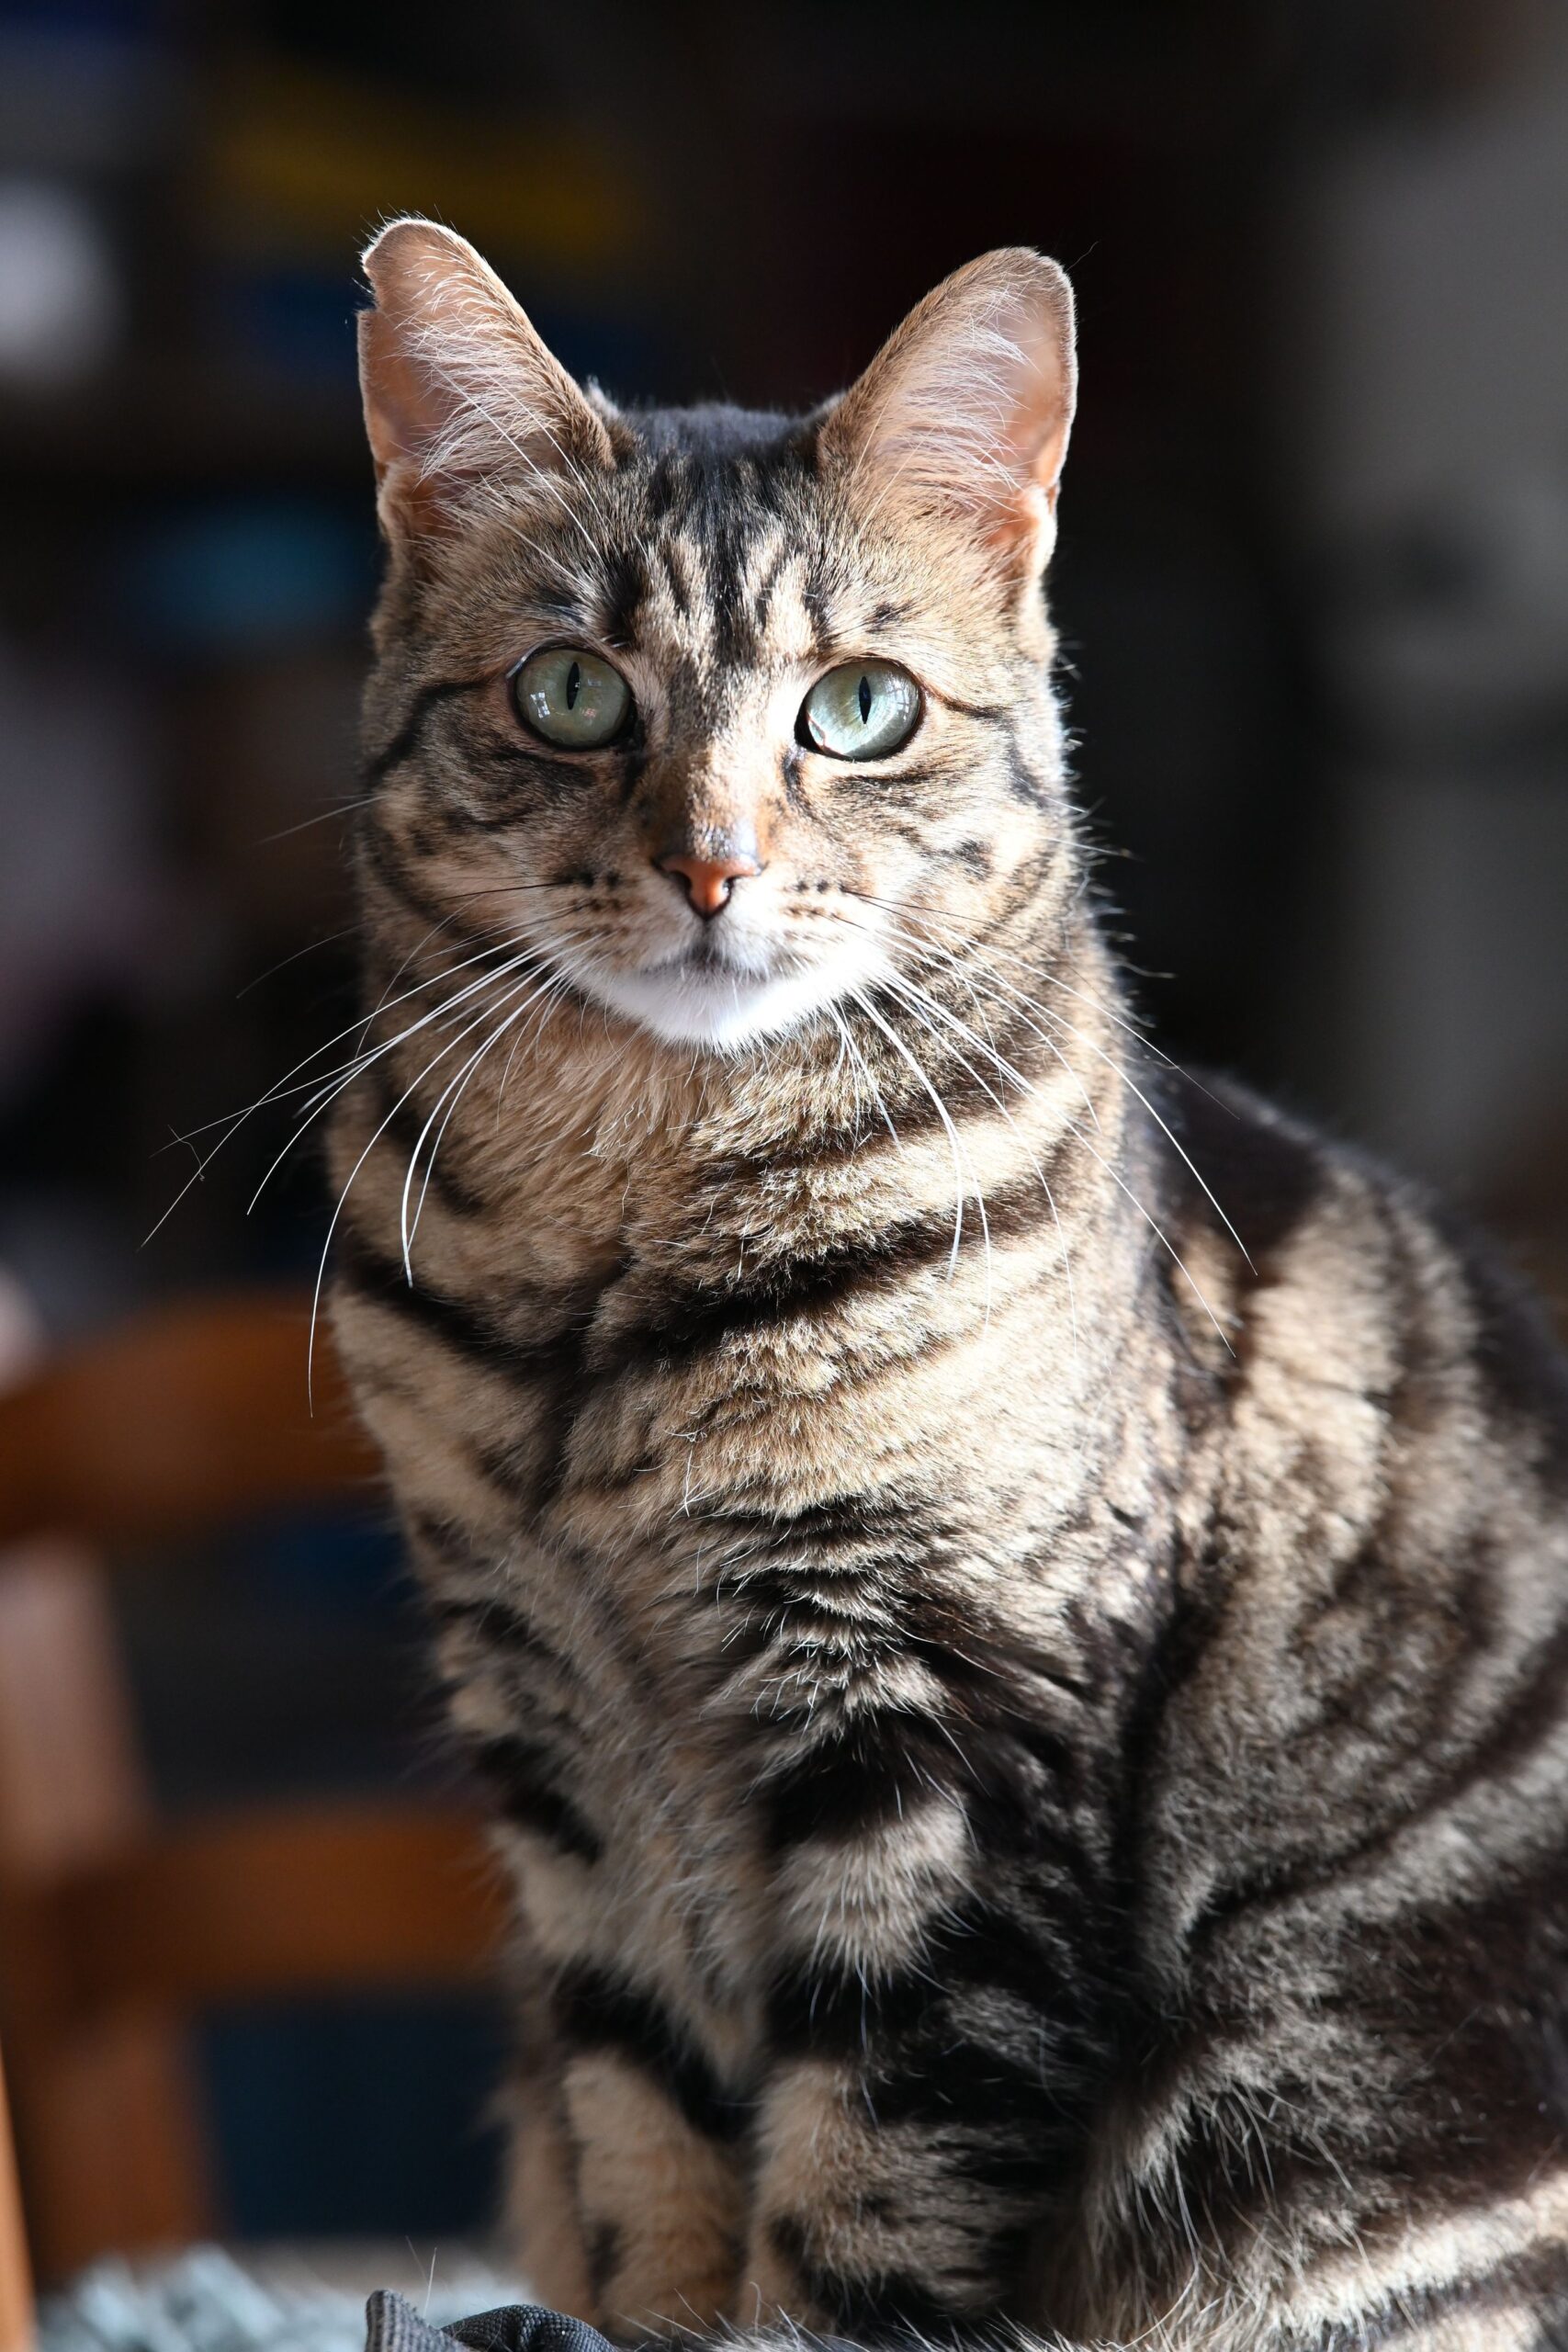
642	1196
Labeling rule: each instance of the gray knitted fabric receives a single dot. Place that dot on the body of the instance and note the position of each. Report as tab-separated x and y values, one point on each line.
208	2302
203	2303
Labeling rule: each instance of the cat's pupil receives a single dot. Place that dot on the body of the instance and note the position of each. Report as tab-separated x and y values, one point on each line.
865	700
573	681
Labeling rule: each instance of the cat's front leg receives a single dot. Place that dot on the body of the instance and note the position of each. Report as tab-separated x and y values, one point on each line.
657	2150
541	2202
859	2229
918	2128
627	2161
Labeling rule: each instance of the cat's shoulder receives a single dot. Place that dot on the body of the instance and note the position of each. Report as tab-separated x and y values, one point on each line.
1345	1273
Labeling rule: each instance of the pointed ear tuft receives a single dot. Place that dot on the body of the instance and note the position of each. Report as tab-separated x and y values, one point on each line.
458	386
965	411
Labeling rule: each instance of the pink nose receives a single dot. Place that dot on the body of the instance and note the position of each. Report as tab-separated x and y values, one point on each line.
707	879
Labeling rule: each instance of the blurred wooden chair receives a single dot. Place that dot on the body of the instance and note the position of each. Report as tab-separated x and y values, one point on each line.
16	2271
114	1930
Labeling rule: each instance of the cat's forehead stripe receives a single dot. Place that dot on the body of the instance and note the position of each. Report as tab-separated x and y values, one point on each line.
728	590
719	553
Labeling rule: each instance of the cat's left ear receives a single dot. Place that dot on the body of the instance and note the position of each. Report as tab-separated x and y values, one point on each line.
459	388
965	411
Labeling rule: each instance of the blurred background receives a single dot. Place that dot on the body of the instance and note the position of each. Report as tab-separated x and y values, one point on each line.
1312	583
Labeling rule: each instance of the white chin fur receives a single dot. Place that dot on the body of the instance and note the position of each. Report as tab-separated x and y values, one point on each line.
723	1011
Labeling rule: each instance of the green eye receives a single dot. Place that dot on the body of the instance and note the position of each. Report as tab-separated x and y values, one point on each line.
572	697
861	711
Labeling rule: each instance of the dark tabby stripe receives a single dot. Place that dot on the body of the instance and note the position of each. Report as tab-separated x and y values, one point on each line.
459	1324
407	740
690	1325
597	2011
523	1776
884	2303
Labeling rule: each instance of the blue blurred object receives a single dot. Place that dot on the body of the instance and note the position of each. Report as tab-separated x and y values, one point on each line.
613	346
244	575
297	323
118	18
357	2121
350	1560
292	321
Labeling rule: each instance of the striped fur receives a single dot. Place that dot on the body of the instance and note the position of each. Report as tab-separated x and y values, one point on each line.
1032	1745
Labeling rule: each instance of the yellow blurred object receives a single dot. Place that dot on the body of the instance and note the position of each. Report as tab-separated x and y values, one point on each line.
304	161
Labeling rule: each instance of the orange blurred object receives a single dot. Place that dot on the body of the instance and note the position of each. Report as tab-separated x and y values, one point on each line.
115	1929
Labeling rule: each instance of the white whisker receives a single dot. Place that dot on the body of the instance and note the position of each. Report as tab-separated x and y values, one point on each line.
451	1046
338	1081
454	1088
1072	1029
443	451
936	1006
900	1048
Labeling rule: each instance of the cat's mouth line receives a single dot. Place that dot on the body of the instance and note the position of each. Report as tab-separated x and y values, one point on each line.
706	960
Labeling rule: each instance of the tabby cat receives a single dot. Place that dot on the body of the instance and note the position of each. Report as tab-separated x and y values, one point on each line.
1015	1606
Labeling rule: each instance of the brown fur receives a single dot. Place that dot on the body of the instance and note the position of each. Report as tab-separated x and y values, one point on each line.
1032	1750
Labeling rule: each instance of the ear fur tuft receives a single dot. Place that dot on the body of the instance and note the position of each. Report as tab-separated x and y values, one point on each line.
458	388
967	409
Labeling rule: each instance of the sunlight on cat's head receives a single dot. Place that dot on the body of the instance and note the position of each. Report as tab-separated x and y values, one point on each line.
707	715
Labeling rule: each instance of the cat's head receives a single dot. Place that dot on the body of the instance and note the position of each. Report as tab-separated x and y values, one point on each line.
720	715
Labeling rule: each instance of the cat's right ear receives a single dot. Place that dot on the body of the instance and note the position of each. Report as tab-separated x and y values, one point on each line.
458	388
964	412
